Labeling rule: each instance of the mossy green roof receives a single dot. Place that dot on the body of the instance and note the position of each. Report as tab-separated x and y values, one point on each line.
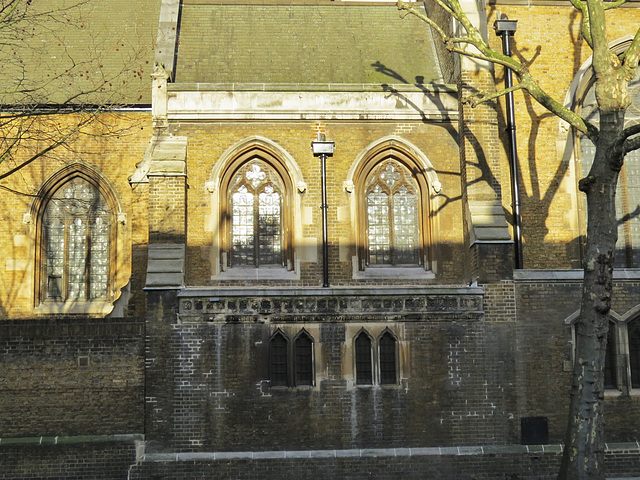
309	43
74	51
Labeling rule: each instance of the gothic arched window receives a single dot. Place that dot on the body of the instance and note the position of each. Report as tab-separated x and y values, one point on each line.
392	215
291	363
256	217
75	243
628	194
364	360
279	360
303	346
388	371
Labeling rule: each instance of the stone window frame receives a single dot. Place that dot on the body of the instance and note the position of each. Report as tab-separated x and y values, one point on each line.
295	359
228	177
217	187
375	352
98	306
620	350
291	379
425	176
622	355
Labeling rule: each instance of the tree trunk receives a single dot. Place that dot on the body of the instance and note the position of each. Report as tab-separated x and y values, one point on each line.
583	457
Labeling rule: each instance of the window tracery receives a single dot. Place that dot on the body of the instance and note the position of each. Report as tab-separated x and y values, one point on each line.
628	194
256	202
392	214
76	229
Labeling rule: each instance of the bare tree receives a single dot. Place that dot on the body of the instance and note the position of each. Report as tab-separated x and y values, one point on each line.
584	448
62	70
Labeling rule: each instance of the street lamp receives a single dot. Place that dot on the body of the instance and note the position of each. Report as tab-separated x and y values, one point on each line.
323	149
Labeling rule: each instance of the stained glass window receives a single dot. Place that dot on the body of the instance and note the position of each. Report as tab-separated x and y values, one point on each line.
628	194
256	194
392	210
76	229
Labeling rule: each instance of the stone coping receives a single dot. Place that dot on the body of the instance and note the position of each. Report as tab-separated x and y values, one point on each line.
66	440
526	275
631	447
327	292
311	87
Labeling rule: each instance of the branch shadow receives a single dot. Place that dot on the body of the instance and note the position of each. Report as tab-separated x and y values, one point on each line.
486	175
536	199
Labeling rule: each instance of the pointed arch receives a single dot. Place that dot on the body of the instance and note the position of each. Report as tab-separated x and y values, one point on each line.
279	359
260	146
394	198
388	357
579	152
364	361
76	243
255	208
303	353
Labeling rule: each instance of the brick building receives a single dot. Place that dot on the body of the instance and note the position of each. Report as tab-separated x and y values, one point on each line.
169	305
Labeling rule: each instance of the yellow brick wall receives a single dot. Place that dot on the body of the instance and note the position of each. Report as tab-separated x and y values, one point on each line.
112	147
549	36
208	143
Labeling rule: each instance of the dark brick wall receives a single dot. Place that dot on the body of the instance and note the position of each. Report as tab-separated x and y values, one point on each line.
208	379
71	376
542	370
78	459
470	370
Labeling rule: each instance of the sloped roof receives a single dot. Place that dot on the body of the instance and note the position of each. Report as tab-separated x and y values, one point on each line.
102	50
320	42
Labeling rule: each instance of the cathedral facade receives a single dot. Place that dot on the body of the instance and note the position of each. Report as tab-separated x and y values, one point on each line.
294	254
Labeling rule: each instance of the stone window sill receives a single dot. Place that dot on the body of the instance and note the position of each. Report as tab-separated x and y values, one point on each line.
262	273
76	307
398	273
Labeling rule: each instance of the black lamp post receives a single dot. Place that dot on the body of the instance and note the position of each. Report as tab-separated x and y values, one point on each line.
505	29
323	149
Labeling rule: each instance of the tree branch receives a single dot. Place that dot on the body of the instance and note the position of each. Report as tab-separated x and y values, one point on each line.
630	131
478	98
616	4
604	60
631	57
34	157
631	144
585	25
486	53
473	38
